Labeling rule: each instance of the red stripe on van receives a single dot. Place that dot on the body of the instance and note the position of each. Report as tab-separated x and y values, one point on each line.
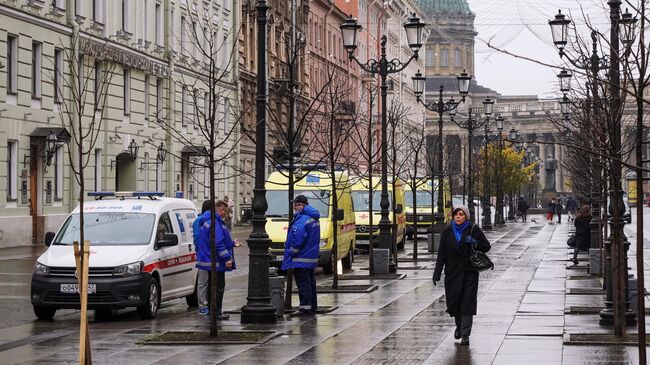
171	262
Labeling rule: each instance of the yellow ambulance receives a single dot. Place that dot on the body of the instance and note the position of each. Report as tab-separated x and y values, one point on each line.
361	201
425	214
316	185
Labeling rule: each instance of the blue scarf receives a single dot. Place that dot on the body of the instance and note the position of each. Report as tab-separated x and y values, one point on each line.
459	229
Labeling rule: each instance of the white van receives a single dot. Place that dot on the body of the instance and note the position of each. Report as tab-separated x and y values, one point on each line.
141	254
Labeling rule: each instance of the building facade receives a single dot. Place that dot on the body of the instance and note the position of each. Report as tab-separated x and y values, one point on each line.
132	74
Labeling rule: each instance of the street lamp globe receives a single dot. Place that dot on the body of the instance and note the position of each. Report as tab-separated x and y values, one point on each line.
626	28
559	30
499	122
564	77
463	83
414	27
133	149
564	105
349	30
161	153
488	106
513	134
418	84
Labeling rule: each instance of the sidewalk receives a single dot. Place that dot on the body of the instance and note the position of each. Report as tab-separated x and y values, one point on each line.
522	318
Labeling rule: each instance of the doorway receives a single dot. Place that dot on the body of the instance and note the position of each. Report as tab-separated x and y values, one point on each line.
125	173
38	220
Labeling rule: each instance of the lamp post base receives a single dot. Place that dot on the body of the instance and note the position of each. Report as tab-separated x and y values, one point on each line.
258	314
607	317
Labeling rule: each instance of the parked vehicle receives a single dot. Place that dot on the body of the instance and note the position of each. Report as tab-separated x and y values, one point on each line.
316	185
361	199
425	213
142	254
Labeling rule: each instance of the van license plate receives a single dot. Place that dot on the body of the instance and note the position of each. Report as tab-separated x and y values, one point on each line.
74	288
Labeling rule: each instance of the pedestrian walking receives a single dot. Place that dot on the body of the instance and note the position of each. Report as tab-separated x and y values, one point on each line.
571	206
301	252
558	210
461	280
522	208
225	256
550	210
231	209
583	231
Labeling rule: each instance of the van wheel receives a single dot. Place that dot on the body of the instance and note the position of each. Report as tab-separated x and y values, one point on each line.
44	313
327	268
349	259
152	304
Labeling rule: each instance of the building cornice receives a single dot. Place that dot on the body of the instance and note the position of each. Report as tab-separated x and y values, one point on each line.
35	20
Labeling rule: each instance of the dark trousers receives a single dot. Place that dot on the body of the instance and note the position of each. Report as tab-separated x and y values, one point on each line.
306	283
559	218
464	322
221	288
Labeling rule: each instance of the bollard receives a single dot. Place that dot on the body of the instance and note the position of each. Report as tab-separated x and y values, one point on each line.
277	294
595	264
430	242
433	242
380	260
633	294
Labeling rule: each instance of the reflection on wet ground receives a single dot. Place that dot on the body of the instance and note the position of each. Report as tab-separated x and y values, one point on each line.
523	316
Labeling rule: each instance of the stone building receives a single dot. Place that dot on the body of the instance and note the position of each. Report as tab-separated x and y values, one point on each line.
137	67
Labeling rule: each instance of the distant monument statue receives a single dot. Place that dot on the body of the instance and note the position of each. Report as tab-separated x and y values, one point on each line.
550	165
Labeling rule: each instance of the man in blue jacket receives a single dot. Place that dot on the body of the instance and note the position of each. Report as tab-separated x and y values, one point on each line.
225	256
301	252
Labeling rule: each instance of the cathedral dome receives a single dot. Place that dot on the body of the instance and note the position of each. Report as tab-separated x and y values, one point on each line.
444	6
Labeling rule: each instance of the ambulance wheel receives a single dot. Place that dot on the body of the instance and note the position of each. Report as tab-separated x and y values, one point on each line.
44	313
349	259
152	303
327	268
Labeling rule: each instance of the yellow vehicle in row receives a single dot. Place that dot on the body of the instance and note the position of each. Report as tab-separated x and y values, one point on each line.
317	187
361	200
423	191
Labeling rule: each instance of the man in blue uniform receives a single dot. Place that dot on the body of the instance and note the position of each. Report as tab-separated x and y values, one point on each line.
301	252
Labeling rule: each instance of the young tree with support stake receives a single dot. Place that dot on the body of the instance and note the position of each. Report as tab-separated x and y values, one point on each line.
82	110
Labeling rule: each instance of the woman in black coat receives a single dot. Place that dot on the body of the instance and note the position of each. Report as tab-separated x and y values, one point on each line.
461	280
583	231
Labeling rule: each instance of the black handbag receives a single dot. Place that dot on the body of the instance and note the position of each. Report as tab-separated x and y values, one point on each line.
479	259
571	242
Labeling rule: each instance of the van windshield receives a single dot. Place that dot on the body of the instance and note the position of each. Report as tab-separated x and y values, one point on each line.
423	197
278	201
109	229
361	201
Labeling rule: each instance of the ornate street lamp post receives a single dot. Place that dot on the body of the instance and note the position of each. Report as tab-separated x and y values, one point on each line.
621	29
383	67
487	211
441	107
499	218
258	308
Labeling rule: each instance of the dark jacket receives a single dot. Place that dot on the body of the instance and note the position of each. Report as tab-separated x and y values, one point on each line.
571	205
461	281
522	206
583	233
301	249
551	208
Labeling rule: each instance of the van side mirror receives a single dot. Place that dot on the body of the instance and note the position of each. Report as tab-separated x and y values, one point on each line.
340	214
399	208
170	239
49	237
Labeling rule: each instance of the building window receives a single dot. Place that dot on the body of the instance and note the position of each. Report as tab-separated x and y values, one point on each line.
58	173
146	171
444	57
206	106
172	30
127	92
429	58
59	4
12	170
79	8
226	116
58	75
183	36
195	43
159	99
125	15
98	169
146	99
12	64
183	106
196	108
36	70
159	174
458	59
98	11
159	25
99	74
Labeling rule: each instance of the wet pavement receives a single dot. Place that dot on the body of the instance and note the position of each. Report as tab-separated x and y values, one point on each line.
525	315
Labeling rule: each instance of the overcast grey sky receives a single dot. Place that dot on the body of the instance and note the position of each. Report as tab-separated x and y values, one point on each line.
521	27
